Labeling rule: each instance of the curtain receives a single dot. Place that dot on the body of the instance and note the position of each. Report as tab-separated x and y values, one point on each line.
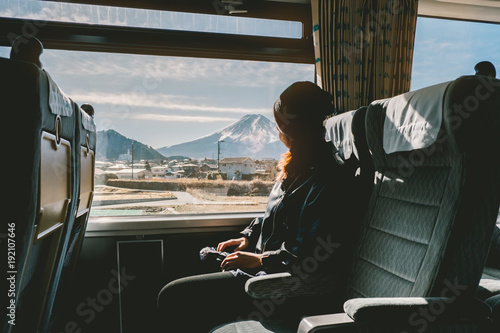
363	49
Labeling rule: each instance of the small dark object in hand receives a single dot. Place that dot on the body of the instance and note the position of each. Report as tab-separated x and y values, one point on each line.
210	253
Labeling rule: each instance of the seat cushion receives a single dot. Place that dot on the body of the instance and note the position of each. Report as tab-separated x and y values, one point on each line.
251	326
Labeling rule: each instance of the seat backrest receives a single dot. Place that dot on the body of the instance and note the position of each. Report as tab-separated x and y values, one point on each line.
436	194
88	137
85	172
45	184
366	168
347	133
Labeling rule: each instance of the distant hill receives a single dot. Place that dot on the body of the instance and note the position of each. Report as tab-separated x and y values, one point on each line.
111	144
252	136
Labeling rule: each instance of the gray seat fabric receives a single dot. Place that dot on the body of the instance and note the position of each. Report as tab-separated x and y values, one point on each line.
431	214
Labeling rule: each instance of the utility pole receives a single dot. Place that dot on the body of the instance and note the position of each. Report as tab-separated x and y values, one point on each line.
218	154
132	159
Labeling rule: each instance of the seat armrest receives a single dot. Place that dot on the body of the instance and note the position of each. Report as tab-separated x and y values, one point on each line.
324	322
396	314
411	309
285	284
491	273
263	286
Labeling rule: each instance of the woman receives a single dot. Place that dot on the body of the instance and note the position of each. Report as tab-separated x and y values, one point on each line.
303	230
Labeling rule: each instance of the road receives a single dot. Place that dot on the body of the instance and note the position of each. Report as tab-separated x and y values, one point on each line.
182	198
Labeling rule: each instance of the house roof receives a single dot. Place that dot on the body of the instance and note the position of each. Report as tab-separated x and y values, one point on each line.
127	171
211	166
160	167
236	160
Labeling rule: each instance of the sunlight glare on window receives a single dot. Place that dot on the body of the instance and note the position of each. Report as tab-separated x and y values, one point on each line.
143	18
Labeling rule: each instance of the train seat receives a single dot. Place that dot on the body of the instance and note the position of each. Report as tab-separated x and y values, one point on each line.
433	207
45	150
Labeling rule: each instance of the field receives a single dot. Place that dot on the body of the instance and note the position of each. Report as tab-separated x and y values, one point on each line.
179	196
105	194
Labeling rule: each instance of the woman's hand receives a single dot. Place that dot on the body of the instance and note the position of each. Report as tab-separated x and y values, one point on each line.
240	259
240	243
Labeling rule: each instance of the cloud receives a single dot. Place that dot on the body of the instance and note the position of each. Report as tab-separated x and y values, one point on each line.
163	101
177	118
6	13
168	69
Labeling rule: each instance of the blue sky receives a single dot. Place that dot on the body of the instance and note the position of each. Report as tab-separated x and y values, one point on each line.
167	100
447	49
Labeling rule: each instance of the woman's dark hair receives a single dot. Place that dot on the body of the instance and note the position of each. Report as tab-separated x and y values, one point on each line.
299	113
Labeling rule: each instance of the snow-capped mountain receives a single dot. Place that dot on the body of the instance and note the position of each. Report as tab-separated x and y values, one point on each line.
252	136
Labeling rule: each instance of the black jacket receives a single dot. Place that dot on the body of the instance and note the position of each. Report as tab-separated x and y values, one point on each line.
306	224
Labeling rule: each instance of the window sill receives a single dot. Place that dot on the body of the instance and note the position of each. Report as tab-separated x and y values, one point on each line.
164	224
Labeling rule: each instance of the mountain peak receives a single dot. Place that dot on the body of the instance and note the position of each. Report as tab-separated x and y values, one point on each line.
249	125
113	144
254	116
253	135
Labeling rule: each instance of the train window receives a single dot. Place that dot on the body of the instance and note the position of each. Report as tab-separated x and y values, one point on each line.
178	134
154	19
442	54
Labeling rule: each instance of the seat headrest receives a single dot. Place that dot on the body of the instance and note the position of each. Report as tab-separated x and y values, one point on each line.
87	121
59	102
27	48
339	132
413	119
